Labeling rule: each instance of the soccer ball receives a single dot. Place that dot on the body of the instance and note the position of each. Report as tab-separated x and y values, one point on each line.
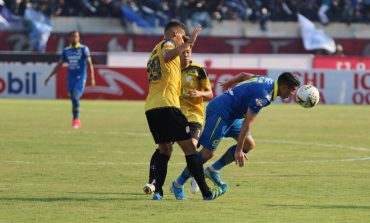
307	96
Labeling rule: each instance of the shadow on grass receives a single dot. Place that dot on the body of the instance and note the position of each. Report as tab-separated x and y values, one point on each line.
335	206
125	197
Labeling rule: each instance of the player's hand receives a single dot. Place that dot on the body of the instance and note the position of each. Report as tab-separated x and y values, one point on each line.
225	85
46	81
240	157
194	93
194	35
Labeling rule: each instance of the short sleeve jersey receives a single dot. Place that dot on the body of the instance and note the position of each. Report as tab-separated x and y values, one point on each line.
76	58
255	93
164	78
195	77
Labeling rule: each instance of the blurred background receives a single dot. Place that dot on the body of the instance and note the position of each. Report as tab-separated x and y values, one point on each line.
325	42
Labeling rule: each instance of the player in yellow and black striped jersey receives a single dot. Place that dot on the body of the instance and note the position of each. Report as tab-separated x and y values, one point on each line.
195	86
162	109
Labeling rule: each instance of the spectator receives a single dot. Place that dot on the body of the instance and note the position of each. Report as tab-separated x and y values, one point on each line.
339	51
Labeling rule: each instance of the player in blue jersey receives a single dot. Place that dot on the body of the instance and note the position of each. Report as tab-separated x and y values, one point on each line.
231	114
77	56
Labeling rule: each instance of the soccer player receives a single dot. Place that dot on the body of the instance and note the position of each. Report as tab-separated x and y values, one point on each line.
195	86
76	55
162	109
231	114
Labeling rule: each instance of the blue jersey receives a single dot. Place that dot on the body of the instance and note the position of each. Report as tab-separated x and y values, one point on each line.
255	93
76	59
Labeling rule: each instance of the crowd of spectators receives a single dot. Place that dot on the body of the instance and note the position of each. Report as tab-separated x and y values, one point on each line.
152	13
203	11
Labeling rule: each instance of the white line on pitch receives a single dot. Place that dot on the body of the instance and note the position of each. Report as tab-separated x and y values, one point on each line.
181	163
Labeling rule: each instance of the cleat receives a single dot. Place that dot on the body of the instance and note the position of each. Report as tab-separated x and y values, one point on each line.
157	197
194	186
178	192
76	124
214	177
216	192
224	188
149	189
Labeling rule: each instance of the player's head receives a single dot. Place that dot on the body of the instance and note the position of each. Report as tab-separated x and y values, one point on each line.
288	84
175	30
74	37
185	57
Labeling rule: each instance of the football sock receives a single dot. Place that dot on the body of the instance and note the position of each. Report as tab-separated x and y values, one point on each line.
196	169
75	106
161	172
227	158
153	166
185	174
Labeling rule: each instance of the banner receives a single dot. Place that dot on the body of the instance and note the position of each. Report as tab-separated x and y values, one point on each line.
132	83
335	87
342	63
314	39
26	81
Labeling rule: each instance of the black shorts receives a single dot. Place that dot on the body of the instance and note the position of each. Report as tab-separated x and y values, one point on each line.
195	130
168	125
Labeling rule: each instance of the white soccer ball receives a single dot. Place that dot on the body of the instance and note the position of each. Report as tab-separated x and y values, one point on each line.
307	96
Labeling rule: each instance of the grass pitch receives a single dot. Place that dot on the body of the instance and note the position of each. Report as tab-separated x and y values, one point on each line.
309	165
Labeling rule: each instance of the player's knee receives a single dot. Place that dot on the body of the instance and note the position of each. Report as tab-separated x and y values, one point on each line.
207	154
165	149
248	145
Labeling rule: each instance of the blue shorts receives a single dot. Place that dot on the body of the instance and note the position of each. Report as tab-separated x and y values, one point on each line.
216	128
76	86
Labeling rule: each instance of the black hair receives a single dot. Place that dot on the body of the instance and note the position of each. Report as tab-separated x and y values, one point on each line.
174	23
289	79
72	32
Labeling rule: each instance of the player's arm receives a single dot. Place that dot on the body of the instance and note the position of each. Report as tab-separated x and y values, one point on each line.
170	54
250	116
205	86
91	67
236	79
55	70
206	93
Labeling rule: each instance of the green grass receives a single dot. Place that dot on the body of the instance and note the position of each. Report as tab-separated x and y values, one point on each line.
309	165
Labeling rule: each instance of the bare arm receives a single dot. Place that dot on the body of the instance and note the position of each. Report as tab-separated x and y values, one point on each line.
206	93
55	70
247	122
169	55
236	79
91	67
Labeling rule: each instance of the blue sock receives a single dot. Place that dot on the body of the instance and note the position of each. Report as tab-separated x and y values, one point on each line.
75	106
185	174
227	158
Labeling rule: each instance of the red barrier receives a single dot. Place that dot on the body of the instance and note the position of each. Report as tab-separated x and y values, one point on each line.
144	43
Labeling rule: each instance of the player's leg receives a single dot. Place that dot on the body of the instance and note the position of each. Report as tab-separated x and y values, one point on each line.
213	172
76	90
195	129
159	162
229	155
196	169
157	168
213	132
210	137
165	151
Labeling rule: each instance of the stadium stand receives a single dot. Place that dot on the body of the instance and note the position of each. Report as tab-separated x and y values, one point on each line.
219	18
